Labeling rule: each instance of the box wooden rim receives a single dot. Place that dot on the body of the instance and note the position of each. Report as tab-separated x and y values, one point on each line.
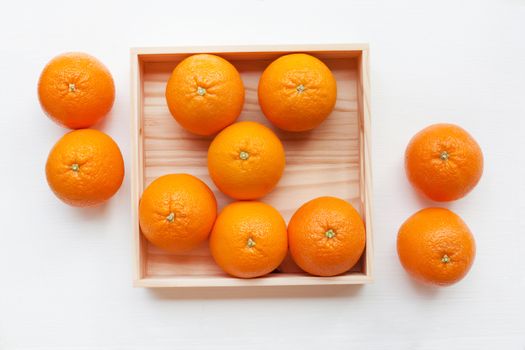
361	50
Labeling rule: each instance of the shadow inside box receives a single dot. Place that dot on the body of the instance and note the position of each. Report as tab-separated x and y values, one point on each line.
256	292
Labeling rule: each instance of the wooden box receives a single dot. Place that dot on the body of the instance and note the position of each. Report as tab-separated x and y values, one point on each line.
333	159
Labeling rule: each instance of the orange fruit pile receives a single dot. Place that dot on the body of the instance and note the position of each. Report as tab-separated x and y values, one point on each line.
85	167
326	236
178	212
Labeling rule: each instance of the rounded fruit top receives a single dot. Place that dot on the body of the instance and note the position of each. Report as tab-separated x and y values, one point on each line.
76	90
249	239
326	236
297	92
205	94
177	212
443	162
85	167
246	160
436	246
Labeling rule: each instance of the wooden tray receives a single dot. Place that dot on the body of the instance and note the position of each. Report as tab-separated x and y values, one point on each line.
333	159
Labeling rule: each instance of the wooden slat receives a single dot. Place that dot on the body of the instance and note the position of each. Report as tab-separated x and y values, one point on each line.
366	157
267	281
249	52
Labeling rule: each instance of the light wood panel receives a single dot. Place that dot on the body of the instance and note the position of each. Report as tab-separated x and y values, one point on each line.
329	160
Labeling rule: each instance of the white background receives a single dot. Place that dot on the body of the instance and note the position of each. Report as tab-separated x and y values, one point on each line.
65	273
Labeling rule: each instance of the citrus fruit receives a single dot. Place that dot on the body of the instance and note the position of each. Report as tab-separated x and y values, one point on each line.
249	239
297	92
246	160
443	162
76	90
435	246
205	94
326	236
177	212
85	167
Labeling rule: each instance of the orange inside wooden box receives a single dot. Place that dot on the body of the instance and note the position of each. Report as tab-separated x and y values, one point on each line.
331	160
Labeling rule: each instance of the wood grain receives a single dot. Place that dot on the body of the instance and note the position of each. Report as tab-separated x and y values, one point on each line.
327	161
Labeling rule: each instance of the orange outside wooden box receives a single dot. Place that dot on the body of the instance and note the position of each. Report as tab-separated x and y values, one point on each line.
333	159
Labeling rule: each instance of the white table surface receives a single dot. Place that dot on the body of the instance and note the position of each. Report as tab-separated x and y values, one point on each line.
65	273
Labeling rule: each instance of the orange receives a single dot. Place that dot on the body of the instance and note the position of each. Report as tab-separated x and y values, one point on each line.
76	90
85	167
246	160
249	239
435	246
443	162
326	236
297	92
205	94
177	212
